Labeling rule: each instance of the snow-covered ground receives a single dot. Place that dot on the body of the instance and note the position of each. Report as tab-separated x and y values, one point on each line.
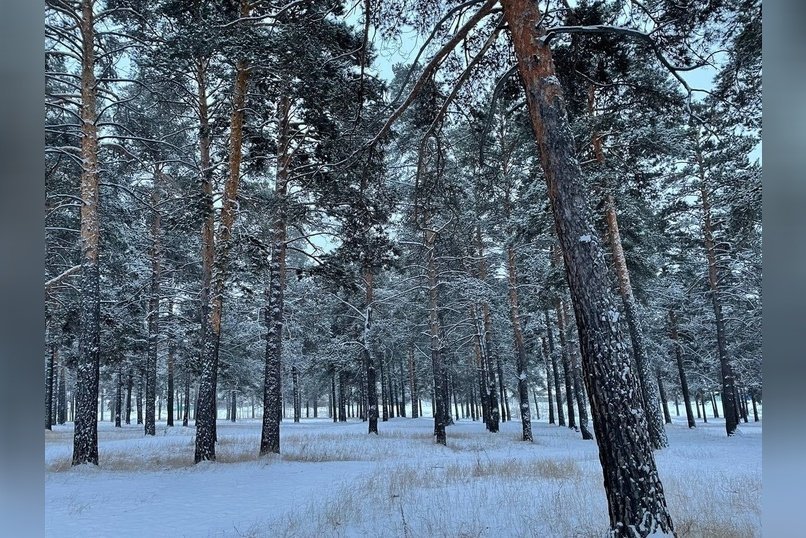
335	480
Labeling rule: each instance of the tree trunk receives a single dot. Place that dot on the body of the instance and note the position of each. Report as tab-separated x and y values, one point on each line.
186	406
490	353
342	399
726	369
49	387
755	408
272	384
664	401
384	391
713	404
569	394
402	386
657	434
206	413
637	505
169	404
233	405
129	384
369	359
558	393
153	307
579	394
481	368
436	355
678	351
549	380
139	397
118	400
61	399
520	347
333	412
85	436
295	395
415	398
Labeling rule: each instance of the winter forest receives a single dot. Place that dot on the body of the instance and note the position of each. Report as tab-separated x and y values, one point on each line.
403	268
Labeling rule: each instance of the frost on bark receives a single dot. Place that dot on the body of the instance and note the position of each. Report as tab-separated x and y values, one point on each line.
85	437
657	433
272	393
637	506
520	347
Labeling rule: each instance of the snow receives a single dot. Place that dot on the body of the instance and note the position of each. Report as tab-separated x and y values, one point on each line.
330	473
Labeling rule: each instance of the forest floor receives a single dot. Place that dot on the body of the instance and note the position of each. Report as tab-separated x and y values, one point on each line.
335	480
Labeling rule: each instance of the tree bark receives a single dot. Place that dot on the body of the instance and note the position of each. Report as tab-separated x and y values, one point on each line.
295	392
520	347
415	412
369	359
726	369
664	401
170	375
139	397
637	505
118	399
435	345
490	353
49	387
569	391
678	351
657	433
549	379
85	437
272	386
129	384
61	399
153	307
556	371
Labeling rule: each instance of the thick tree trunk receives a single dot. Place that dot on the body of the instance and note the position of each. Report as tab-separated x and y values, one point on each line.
85	436
678	351
555	369
713	404
726	369
272	383
520	347
637	505
657	434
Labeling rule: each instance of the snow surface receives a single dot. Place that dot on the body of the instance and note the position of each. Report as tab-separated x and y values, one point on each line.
335	480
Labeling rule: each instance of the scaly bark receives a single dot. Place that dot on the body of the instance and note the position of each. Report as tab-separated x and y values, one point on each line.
207	409
272	383
649	392
636	502
85	437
